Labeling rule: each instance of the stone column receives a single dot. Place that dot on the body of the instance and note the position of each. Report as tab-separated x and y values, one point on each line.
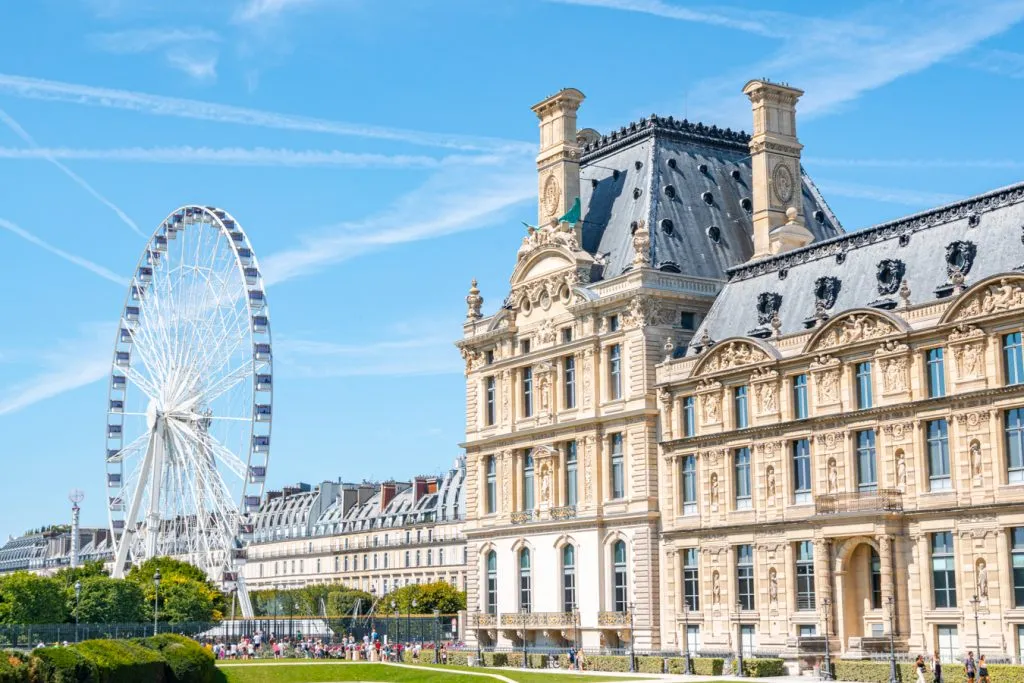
888	583
674	505
823	579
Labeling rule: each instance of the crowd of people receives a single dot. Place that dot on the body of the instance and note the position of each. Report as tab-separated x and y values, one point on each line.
976	671
371	647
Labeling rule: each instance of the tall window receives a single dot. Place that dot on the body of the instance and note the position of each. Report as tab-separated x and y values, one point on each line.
492	485
800	397
620	594
689	417
1017	540
569	379
571	474
691	579
943	569
527	392
802	471
615	371
528	480
741	468
492	582
740	403
1013	358
1014	427
867	476
804	575
525	592
938	455
936	373
440	557
863	385
745	576
490	401
689	484
568	578
876	580
430	557
618	468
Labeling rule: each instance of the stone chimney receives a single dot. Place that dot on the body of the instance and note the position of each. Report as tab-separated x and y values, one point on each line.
775	162
558	162
387	494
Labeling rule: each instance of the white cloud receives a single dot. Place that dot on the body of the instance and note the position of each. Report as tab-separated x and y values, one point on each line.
67	256
430	355
240	156
257	10
889	195
196	66
23	134
734	20
449	202
158	105
147	40
70	364
999	62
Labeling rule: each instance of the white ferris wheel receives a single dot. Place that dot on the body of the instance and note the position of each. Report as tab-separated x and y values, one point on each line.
189	409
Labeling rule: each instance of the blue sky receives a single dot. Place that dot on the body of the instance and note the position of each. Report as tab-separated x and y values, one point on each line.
380	155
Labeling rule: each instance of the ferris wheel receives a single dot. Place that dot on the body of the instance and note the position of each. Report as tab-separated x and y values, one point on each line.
189	408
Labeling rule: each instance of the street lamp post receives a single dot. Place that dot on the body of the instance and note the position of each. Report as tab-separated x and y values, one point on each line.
398	622
976	603
739	639
686	636
409	619
78	597
826	607
437	639
632	640
893	676
156	599
526	661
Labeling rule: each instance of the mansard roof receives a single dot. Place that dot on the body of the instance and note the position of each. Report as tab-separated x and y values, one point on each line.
691	183
979	236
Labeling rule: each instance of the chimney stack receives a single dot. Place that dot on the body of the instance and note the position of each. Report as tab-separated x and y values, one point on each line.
775	163
558	162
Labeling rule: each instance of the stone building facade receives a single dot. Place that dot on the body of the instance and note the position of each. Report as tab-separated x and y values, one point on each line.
372	536
563	505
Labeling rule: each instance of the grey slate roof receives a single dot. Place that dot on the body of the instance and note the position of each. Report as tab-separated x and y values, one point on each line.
993	222
659	169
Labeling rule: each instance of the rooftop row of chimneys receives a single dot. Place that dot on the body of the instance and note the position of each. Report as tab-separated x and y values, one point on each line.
357	494
778	223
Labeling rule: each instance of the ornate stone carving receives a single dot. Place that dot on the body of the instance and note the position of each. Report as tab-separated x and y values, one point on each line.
546	332
894	375
833	476
826	291
976	466
588	370
770	484
471	356
981	577
768	304
855	328
588	470
732	355
641	245
766	393
773	586
551	195
782	182
901	470
960	257
473	302
714	491
545	484
890	275
506	484
711	405
643	312
716	589
969	360
825	370
993	299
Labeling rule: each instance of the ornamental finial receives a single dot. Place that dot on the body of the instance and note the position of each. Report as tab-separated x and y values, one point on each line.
473	302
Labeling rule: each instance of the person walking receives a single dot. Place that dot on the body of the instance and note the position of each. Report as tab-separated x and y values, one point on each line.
982	670
936	669
970	668
920	668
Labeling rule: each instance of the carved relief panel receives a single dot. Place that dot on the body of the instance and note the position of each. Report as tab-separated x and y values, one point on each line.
893	358
709	397
826	375
967	351
764	384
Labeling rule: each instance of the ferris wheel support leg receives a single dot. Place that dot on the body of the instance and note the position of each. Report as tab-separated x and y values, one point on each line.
129	523
155	476
243	598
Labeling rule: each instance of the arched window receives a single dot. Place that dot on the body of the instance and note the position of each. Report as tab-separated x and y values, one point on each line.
525	592
620	597
569	579
440	556
492	486
528	481
492	583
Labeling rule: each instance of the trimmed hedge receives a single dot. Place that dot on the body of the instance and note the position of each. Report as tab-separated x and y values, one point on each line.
13	668
707	666
187	661
60	665
762	668
122	661
650	665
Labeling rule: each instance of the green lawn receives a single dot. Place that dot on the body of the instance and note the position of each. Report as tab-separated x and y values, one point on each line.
330	672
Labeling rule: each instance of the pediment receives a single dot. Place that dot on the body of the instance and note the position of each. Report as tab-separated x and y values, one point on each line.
992	295
852	327
542	263
734	353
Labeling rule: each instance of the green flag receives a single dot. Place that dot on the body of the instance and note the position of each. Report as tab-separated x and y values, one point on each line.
573	215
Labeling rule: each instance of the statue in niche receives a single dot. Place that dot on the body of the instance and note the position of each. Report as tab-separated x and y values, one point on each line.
773	586
975	449
833	476
711	408
895	374
714	490
901	470
716	589
828	386
771	484
545	484
982	578
767	395
969	357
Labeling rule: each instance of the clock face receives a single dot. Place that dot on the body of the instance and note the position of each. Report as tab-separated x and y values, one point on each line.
782	182
552	194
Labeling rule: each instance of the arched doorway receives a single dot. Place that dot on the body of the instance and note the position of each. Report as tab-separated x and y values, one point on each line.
859	590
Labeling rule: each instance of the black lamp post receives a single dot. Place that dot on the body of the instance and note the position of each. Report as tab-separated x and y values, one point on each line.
78	597
686	636
739	639
526	661
156	599
409	620
976	603
632	640
437	639
893	675
826	607
398	622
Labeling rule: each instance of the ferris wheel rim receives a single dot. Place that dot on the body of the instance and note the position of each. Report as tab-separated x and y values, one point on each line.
227	227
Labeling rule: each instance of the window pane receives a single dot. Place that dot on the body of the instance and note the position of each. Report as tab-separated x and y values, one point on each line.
740	402
938	454
1014	427
527	392
570	382
867	478
618	468
528	482
800	397
615	371
689	422
936	373
1013	359
802	471
864	385
742	478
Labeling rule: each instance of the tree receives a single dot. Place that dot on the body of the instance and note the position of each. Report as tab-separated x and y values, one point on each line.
428	596
68	575
341	602
109	601
185	592
29	599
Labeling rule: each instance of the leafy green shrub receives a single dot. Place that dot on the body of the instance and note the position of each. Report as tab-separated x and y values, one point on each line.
13	667
998	673
878	672
619	663
707	666
461	657
761	668
187	660
650	665
122	661
59	665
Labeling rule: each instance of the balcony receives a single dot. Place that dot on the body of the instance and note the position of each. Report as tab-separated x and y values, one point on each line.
538	619
614	619
882	500
564	512
522	517
481	620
